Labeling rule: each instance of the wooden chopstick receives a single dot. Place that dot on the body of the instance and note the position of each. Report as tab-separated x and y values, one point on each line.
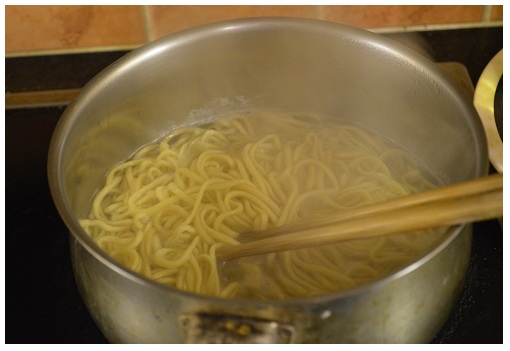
471	187
470	201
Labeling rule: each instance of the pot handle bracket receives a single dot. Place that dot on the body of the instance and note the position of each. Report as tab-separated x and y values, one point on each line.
209	328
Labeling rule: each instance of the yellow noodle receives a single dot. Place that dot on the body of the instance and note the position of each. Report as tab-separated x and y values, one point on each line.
165	212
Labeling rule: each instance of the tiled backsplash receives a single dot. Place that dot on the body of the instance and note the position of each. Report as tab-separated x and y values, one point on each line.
45	29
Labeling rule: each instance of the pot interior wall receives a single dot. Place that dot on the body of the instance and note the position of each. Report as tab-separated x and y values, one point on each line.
321	68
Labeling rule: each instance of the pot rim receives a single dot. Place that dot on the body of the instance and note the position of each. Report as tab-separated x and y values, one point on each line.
134	57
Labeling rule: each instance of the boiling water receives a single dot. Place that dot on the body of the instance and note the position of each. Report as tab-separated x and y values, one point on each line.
284	168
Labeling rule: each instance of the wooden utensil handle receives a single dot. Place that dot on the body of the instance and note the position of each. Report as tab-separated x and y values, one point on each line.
433	212
476	186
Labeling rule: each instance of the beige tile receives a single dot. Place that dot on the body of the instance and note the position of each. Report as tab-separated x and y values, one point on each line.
30	28
373	16
496	13
170	19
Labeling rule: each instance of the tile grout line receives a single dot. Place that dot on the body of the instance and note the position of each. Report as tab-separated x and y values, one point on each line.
486	15
84	50
431	27
320	12
149	35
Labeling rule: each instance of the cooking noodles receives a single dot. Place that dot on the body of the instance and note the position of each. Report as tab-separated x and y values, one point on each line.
165	212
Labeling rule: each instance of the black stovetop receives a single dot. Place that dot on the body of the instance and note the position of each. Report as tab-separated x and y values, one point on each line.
42	303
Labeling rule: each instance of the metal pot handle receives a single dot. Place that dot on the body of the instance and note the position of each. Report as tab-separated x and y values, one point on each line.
209	328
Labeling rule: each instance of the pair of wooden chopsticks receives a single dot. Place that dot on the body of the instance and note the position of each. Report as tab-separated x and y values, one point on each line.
470	201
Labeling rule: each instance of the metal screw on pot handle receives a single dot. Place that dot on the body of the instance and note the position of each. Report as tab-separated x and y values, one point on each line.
209	328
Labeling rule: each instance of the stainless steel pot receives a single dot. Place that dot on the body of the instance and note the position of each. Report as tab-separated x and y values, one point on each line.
294	64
